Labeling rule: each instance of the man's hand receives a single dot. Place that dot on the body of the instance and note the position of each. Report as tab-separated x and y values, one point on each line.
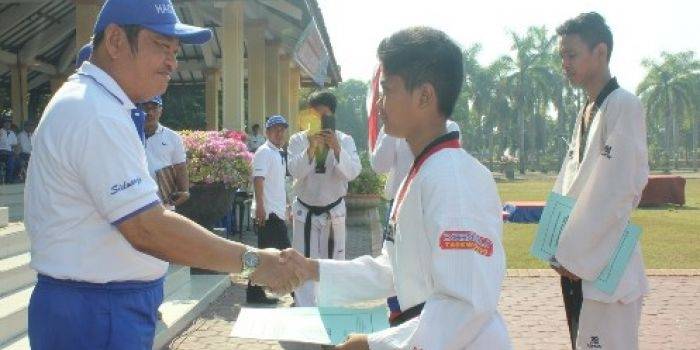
565	273
331	140
260	215
178	198
272	272
354	342
306	268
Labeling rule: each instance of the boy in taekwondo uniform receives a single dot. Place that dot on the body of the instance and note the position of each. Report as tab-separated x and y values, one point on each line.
99	236
605	170
443	256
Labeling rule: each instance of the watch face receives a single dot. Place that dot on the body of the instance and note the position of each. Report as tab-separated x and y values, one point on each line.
251	259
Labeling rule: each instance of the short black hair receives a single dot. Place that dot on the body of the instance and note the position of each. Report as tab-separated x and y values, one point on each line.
422	55
256	126
323	98
132	36
592	29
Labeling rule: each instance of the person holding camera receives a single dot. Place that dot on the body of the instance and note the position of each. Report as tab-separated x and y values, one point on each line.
321	183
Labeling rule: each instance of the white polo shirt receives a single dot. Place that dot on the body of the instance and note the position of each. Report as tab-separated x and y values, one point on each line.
25	141
88	173
164	148
268	163
8	139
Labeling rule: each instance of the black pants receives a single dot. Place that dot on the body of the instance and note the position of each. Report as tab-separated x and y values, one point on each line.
573	299
272	235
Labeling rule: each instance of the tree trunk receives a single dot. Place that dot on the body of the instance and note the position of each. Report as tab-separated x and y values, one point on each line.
669	130
694	145
521	128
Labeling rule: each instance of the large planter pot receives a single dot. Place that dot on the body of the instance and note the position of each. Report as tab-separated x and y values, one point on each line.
509	171
364	225
208	203
362	201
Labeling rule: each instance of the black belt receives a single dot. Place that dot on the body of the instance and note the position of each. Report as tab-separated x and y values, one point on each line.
307	224
407	315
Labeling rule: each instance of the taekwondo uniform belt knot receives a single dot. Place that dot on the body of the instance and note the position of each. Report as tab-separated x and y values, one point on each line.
406	315
314	211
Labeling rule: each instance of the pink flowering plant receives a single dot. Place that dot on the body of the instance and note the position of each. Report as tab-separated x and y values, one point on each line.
217	157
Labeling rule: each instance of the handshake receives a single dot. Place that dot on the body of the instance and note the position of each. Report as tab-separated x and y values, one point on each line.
283	271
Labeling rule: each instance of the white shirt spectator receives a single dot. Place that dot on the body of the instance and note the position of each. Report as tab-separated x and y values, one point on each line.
393	156
87	174
164	148
25	142
269	164
8	139
255	141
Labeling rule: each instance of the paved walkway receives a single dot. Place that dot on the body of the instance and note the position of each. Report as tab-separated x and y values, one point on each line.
532	308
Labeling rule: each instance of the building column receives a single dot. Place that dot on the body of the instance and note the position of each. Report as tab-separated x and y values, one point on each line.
272	76
294	87
232	48
255	45
57	81
19	94
284	88
211	98
86	12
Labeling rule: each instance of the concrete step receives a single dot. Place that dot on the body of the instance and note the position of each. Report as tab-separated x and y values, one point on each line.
4	216
15	273
181	307
13	240
13	314
12	196
177	276
11	189
19	343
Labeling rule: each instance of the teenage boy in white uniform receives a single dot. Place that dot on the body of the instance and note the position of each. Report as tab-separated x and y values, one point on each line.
319	207
443	255
605	170
99	236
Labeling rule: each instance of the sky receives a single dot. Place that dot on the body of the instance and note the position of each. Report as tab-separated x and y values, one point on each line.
641	29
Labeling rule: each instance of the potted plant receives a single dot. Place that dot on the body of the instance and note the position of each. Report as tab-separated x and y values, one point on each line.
363	201
218	163
367	189
509	162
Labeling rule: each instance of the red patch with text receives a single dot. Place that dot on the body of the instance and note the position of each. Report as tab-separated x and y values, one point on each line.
466	240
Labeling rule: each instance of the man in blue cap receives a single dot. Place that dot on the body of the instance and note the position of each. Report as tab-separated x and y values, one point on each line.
270	204
100	238
165	152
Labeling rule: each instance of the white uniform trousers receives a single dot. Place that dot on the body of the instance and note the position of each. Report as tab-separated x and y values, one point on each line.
609	326
322	227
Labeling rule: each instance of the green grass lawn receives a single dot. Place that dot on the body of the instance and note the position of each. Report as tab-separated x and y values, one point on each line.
670	238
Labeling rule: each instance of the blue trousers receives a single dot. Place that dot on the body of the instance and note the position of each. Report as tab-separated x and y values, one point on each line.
79	315
8	157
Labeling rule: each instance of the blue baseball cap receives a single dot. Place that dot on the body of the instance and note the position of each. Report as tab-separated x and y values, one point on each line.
156	15
84	54
276	120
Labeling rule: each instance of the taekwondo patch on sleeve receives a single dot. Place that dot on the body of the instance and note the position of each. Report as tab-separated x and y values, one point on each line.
467	240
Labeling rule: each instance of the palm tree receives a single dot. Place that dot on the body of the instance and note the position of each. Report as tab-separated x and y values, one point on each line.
530	76
670	92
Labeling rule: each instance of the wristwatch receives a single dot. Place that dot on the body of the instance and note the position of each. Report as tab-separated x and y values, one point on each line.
251	261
